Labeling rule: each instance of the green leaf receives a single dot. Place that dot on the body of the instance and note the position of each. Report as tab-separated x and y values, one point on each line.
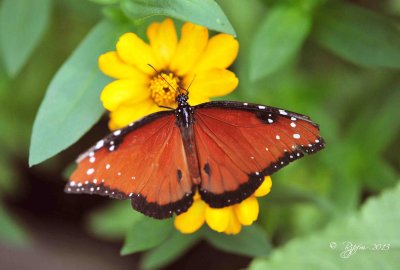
361	36
167	252
113	221
376	225
72	105
22	25
278	39
105	2
251	241
202	12
377	128
10	232
146	234
378	176
9	181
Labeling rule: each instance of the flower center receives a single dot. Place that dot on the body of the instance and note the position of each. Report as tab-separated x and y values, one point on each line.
164	89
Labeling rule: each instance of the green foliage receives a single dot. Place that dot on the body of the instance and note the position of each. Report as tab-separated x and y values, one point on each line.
122	220
202	12
22	25
105	2
74	92
171	249
375	227
251	241
291	56
10	232
278	39
359	35
146	234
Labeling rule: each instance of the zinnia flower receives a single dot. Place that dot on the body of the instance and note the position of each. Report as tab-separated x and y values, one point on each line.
228	219
139	90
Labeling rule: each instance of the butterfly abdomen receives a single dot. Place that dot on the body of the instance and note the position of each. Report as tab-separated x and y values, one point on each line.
184	119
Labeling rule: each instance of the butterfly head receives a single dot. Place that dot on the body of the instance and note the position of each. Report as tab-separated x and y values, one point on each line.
182	99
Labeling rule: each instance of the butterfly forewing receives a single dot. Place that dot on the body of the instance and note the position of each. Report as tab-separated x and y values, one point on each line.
144	162
240	143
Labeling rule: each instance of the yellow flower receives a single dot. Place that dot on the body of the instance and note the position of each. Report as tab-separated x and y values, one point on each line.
139	90
228	219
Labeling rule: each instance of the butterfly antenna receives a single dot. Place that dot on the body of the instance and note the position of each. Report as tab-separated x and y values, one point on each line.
164	78
190	84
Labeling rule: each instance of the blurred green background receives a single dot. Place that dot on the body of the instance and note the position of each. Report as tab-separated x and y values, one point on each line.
336	61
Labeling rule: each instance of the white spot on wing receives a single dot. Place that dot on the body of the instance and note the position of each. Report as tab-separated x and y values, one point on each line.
293	124
296	136
90	171
117	132
99	144
261	107
92	159
278	137
108	166
270	121
283	112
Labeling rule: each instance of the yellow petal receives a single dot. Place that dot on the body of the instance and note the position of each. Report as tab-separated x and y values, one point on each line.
265	187
111	65
197	99
247	210
134	51
121	92
163	40
193	219
191	46
152	31
213	83
218	218
220	52
234	226
197	196
125	115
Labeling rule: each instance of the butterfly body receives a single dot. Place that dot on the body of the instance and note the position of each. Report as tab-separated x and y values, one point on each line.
184	120
222	149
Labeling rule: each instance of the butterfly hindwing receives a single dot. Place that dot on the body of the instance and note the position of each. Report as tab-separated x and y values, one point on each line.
144	162
240	143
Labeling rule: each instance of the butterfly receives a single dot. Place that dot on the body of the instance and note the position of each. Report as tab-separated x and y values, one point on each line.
222	149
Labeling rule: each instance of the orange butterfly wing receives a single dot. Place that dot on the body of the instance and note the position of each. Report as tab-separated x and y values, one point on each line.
240	143
144	162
